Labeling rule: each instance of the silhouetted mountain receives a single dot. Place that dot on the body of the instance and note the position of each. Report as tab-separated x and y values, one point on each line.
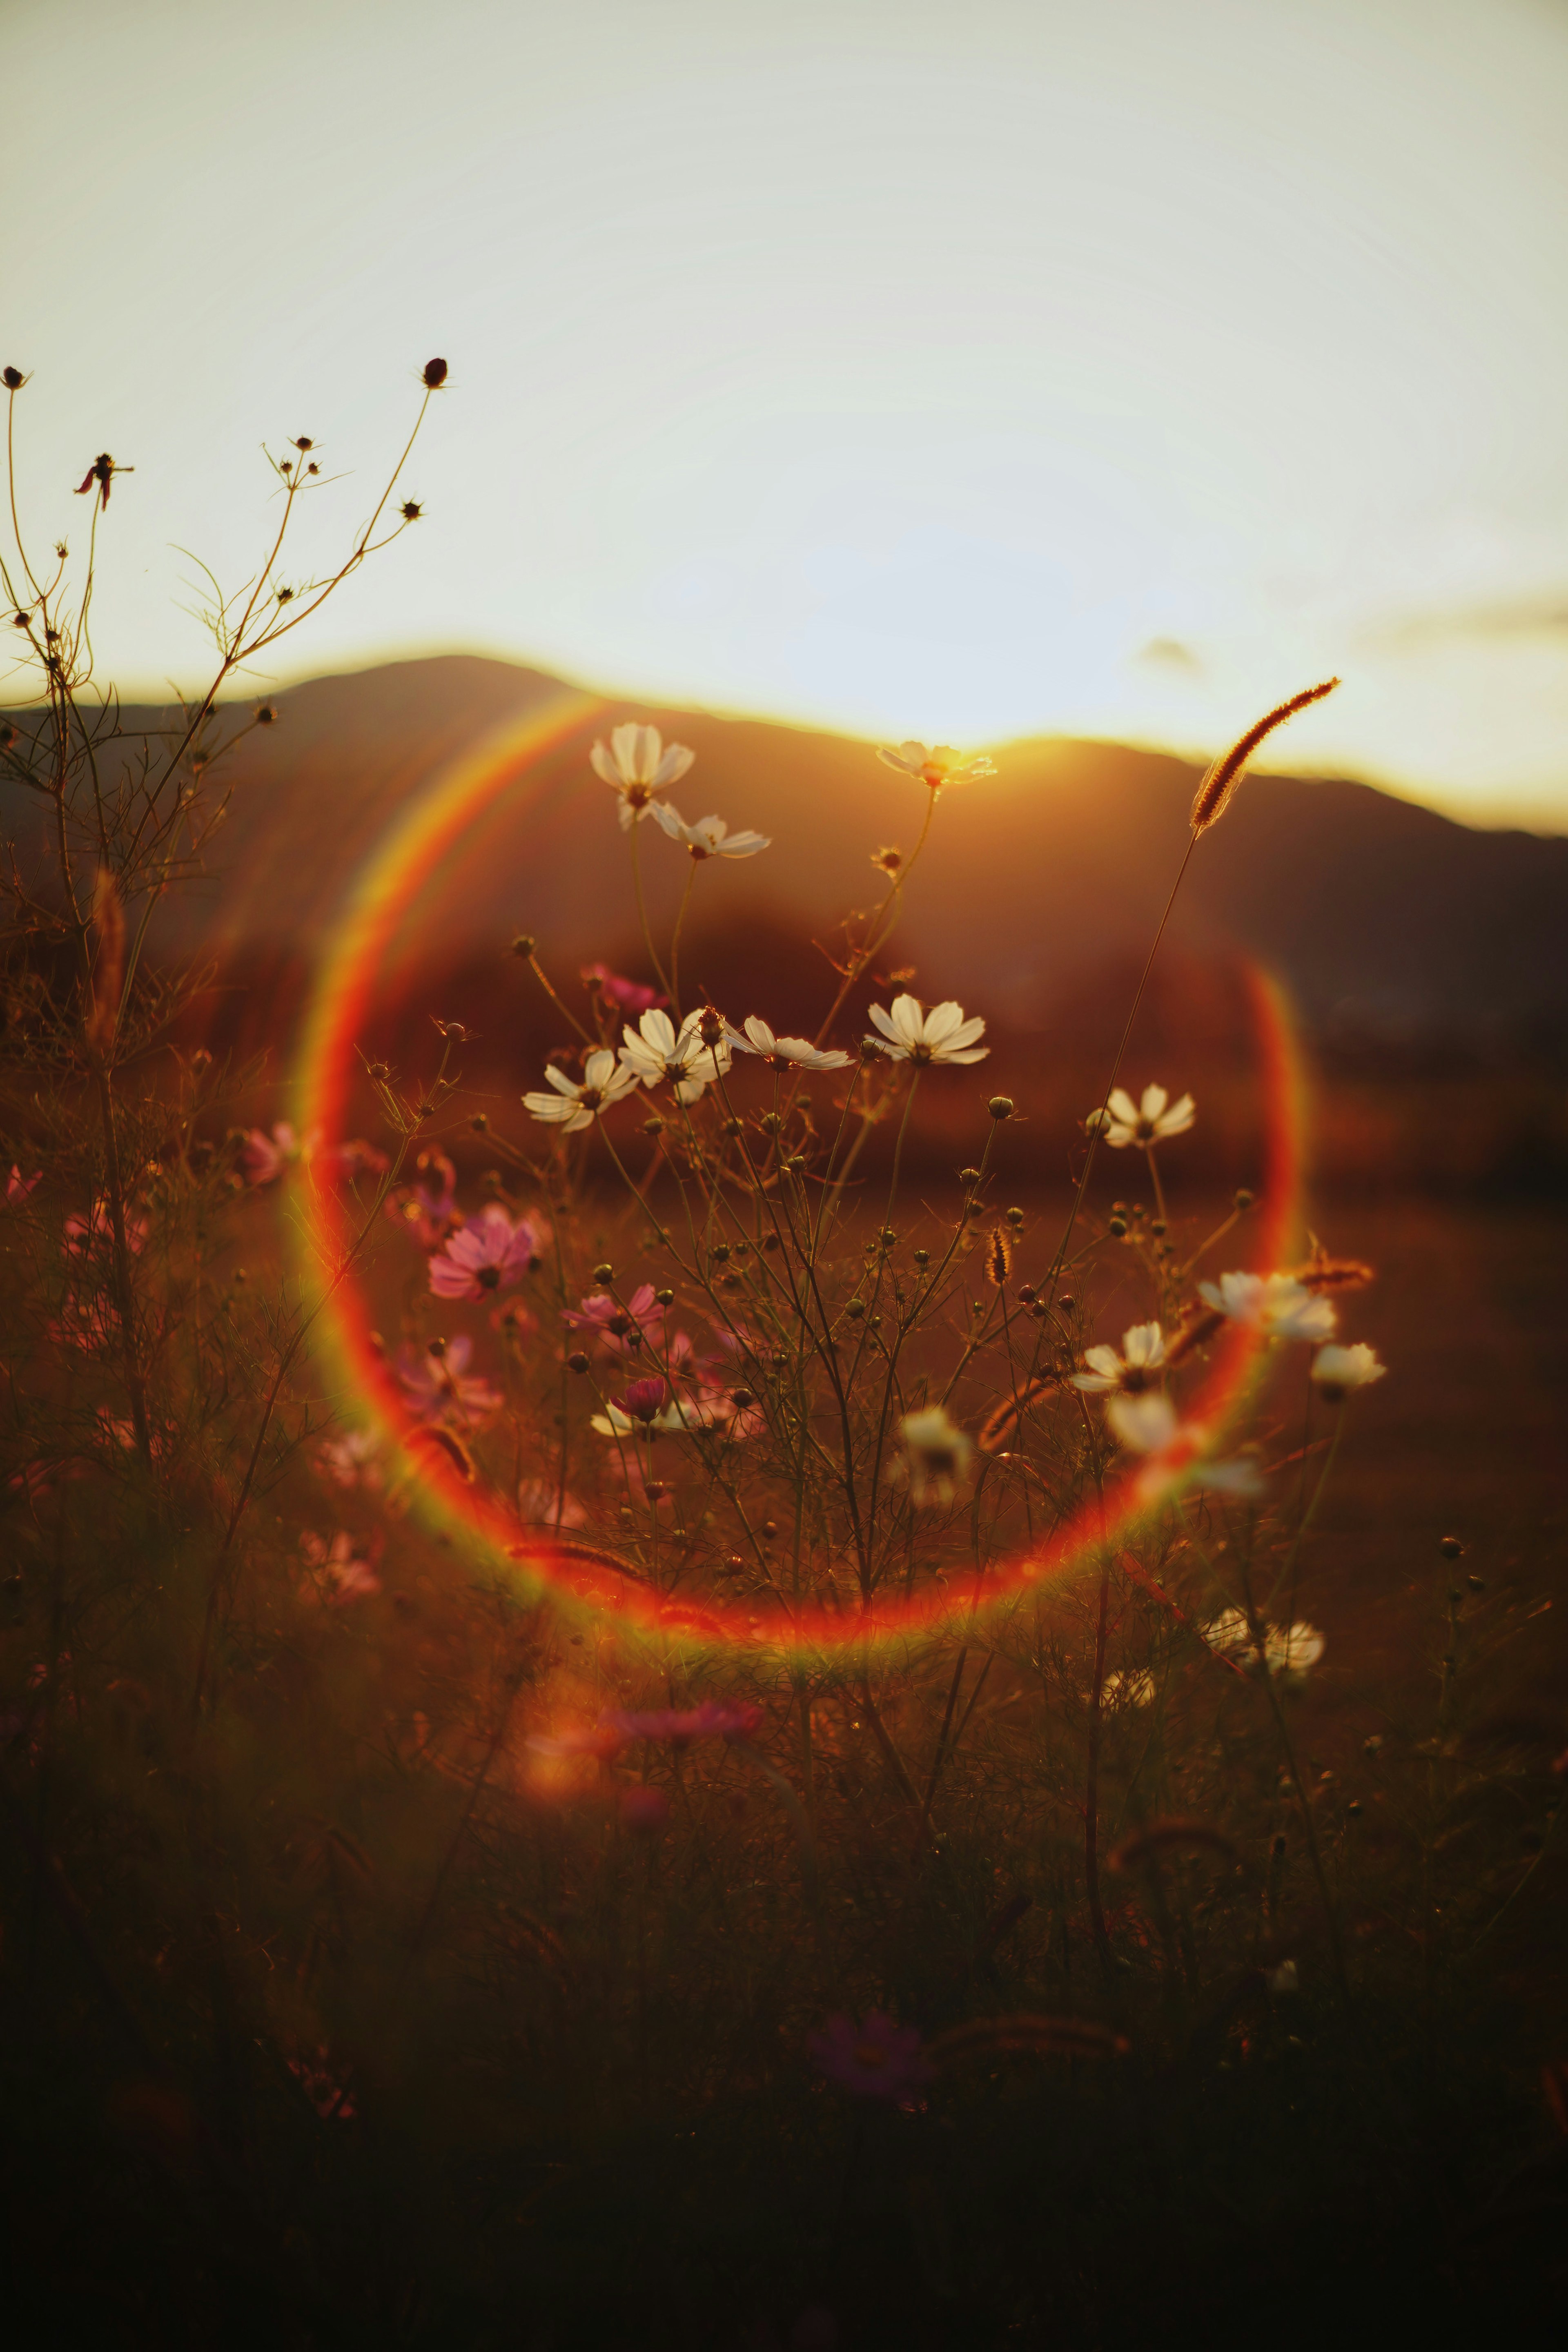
1386	920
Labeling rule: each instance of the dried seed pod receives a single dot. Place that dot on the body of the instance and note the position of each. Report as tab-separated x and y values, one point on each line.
1214	794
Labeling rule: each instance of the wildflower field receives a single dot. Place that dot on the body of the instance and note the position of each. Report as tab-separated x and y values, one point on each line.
639	1707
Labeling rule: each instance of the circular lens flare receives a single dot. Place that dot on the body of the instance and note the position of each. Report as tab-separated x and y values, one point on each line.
341	1010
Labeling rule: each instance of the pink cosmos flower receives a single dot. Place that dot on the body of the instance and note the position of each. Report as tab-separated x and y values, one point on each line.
490	1252
268	1157
329	2096
351	1576
629	996
440	1388
93	1235
343	1163
875	2059
428	1208
351	1460
618	1330
18	1186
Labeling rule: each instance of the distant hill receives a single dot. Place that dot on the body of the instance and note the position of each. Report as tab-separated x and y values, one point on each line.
1387	922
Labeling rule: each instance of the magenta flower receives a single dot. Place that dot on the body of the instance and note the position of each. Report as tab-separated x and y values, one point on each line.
490	1252
873	2060
440	1389
93	1235
618	1330
18	1186
428	1208
267	1157
629	995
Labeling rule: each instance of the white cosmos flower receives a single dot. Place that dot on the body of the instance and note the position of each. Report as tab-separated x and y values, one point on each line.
1337	1371
1135	1689
1175	1450
1145	1424
673	1420
575	1106
942	766
1132	1372
936	1458
636	762
1275	1303
943	1034
654	1053
784	1052
1146	1121
1292	1649
709	836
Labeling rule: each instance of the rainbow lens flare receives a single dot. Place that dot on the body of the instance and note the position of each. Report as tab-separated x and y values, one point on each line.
342	999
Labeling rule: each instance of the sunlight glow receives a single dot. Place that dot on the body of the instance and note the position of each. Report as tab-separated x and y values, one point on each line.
958	373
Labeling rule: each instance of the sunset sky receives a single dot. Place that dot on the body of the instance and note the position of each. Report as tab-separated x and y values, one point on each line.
955	368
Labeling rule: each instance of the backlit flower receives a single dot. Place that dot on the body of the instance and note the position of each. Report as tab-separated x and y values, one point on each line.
1275	1303
943	1034
1146	1121
1293	1650
709	836
647	1409
873	2058
491	1252
937	1456
439	1387
93	1235
1130	1373
1135	1688
619	1328
627	995
938	767
267	1157
351	1460
784	1052
655	1053
635	761
427	1207
575	1104
1175	1452
349	1575
1337	1371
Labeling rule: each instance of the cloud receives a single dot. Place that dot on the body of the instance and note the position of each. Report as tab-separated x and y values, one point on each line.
1169	652
1522	617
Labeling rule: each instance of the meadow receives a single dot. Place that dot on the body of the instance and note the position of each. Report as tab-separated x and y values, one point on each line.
707	1686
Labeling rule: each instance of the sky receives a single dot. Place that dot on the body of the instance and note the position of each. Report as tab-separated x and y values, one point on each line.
958	369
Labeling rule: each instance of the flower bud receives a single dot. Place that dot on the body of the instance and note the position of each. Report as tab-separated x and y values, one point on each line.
1014	1218
1245	1199
604	1271
265	715
411	509
743	1400
664	1297
969	1175
524	945
710	1028
1452	1548
479	1122
1066	1302
1000	1107
654	1125
435	374
1118	1228
576	1361
923	1257
15	379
